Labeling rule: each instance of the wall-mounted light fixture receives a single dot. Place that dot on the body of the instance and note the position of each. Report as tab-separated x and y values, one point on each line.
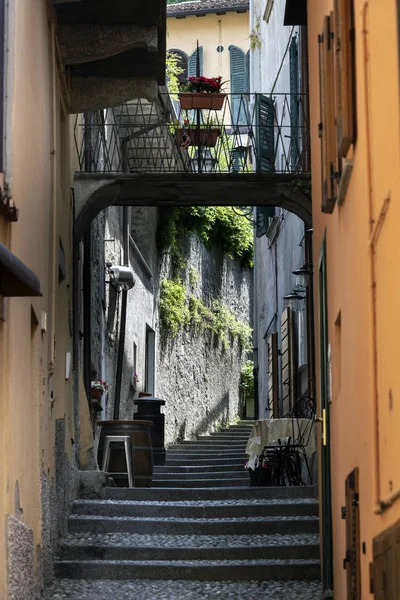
294	295
121	278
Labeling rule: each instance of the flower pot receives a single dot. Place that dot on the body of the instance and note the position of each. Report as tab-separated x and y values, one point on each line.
197	137
201	100
96	394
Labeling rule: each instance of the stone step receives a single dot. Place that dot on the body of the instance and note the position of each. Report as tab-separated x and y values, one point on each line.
105	549
205	510
208	493
197	468
242	473
206	462
220	437
164	525
204	452
222	570
189	483
210	446
209	441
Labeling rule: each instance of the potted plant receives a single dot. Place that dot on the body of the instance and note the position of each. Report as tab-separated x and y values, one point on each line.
202	92
98	387
189	135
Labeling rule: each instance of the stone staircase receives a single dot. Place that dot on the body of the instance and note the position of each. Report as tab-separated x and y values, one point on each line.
201	522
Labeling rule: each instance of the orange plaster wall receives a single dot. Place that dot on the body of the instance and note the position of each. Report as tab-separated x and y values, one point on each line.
348	234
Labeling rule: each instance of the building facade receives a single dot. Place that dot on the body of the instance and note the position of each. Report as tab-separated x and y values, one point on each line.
283	303
354	110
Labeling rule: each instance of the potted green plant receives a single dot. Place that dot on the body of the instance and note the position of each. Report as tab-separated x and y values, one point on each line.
202	93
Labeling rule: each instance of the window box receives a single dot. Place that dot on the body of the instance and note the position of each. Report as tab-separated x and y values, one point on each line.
197	137
201	100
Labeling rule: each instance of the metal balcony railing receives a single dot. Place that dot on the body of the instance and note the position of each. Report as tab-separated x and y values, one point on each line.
251	133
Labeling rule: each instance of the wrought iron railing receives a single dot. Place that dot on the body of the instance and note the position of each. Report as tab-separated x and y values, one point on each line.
250	133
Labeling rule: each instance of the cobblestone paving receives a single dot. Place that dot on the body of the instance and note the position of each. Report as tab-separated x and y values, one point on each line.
182	590
189	541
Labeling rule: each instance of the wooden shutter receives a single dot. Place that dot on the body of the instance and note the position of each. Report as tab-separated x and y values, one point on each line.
385	569
273	381
288	360
352	559
247	81
263	216
265	119
192	63
345	75
294	102
238	85
327	123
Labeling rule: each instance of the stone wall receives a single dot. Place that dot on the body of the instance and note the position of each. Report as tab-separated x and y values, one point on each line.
197	378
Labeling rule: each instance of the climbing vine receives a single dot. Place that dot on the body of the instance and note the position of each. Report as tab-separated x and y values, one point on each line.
173	70
214	225
178	310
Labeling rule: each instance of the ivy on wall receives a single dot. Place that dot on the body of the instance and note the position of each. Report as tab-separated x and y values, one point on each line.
214	225
178	310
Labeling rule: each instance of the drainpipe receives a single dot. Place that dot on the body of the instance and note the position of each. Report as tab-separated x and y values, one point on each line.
310	315
53	219
121	343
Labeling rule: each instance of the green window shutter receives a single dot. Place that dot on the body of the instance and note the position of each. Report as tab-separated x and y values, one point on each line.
192	65
265	149
294	102
238	85
247	86
263	216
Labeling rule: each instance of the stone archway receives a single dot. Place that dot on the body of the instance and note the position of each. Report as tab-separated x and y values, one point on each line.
95	192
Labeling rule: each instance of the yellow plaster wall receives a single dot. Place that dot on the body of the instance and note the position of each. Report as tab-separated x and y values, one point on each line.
27	419
211	31
348	232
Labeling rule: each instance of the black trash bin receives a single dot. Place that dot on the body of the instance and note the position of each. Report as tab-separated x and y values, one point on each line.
149	409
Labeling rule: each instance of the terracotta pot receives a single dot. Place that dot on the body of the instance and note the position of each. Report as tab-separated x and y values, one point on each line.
193	137
204	100
96	393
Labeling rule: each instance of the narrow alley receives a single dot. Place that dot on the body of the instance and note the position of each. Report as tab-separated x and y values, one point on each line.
200	532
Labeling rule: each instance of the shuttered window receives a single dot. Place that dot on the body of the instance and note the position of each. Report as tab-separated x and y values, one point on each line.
273	380
192	63
352	559
385	569
294	103
327	122
265	117
239	85
344	50
288	360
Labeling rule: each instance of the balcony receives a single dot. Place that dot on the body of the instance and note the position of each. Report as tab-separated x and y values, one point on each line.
254	150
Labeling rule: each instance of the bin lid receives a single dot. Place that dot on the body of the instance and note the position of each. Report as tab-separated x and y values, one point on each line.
149	399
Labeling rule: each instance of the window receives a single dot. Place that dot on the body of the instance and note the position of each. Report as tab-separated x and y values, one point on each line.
192	64
273	378
239	85
327	122
288	360
182	62
265	117
344	47
150	361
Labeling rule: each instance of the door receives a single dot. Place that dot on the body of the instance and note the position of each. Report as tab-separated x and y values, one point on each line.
325	488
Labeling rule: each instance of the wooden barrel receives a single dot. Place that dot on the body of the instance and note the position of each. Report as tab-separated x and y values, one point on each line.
142	453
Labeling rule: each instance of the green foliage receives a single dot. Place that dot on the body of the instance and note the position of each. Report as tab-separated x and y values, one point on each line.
174	312
193	277
247	381
172	71
214	225
177	310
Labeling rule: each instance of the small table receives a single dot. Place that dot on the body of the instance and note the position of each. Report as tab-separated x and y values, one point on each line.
267	431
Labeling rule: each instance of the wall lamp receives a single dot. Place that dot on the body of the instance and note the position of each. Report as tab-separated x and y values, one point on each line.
294	296
121	277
